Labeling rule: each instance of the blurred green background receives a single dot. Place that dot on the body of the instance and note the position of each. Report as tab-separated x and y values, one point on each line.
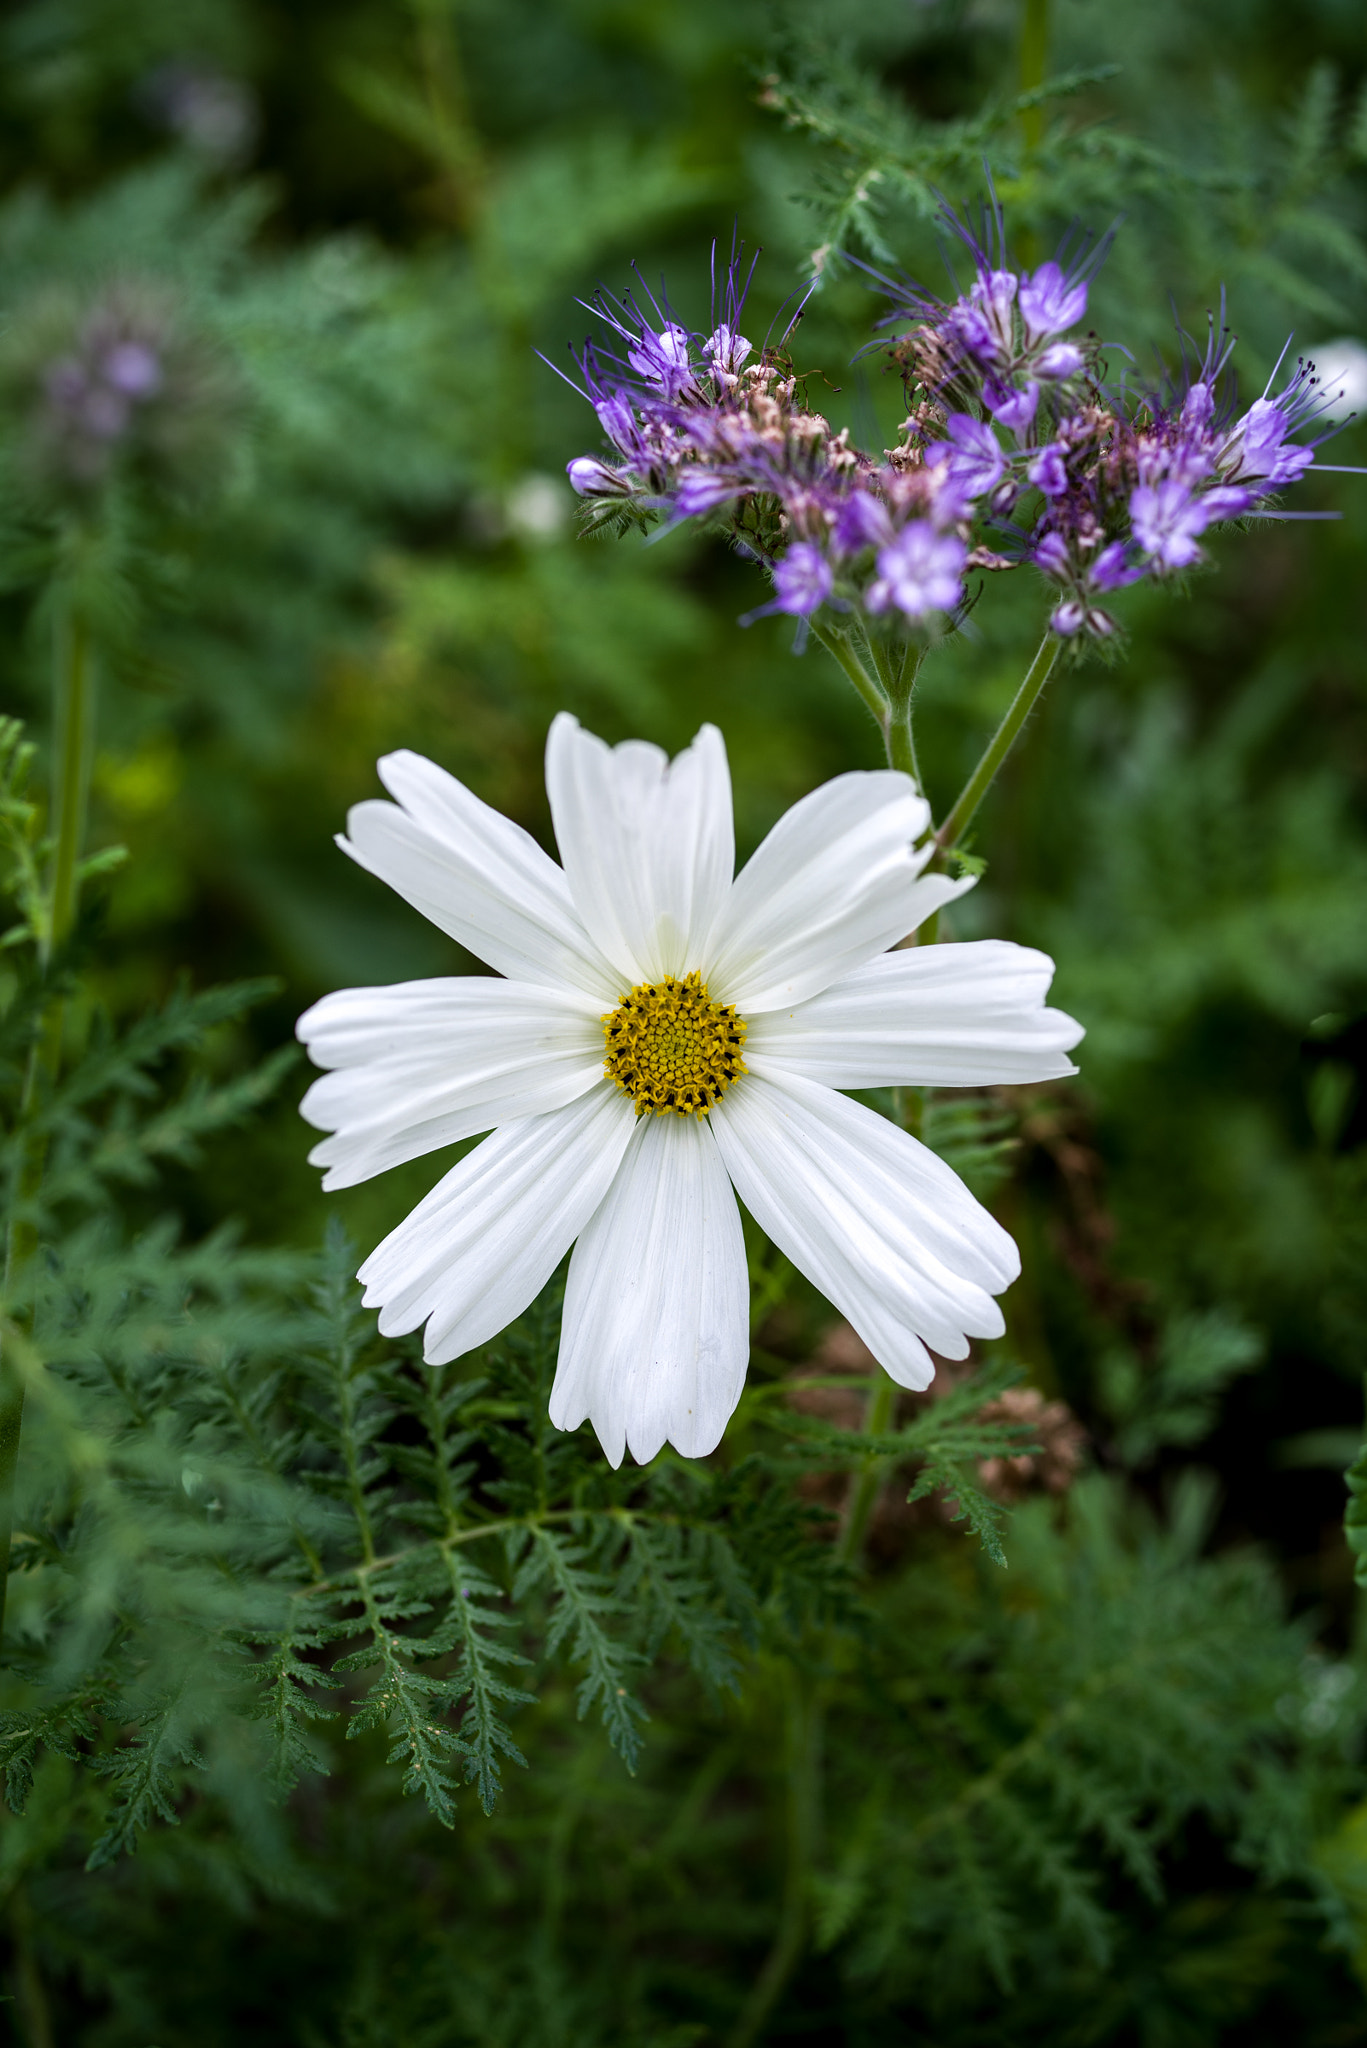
374	214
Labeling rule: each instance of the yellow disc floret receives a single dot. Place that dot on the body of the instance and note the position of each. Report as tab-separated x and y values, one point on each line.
671	1047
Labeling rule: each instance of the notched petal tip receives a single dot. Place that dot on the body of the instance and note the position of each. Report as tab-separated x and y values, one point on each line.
1066	1030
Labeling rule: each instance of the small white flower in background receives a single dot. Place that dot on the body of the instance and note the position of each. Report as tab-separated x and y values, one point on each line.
537	507
1341	367
667	1038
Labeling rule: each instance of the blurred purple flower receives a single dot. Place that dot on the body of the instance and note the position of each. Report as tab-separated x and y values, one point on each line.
1051	554
971	454
133	368
803	580
700	491
1011	407
862	522
1110	571
1168	517
1198	408
982	323
1047	472
1167	521
1061	359
920	571
213	113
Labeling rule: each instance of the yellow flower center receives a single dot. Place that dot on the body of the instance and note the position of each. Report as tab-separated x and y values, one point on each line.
671	1047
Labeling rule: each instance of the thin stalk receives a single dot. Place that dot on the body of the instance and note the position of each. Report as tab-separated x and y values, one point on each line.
898	678
864	1492
806	1724
74	728
1000	744
898	737
74	691
1034	60
838	643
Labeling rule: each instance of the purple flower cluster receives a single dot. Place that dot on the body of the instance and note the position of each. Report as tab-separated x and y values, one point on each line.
95	392
1130	488
112	386
1013	451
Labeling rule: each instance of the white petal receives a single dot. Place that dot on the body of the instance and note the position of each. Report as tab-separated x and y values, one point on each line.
647	843
887	1232
477	876
834	883
656	1331
487	1239
951	1016
425	1063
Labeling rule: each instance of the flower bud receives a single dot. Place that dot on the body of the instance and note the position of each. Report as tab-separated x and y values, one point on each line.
594	479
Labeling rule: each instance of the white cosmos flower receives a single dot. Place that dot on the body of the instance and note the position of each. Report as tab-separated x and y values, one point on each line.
666	1038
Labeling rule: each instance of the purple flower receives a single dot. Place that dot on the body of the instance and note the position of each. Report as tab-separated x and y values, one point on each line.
982	322
803	580
1047	472
1011	408
727	349
132	368
861	522
1167	520
1049	302
1255	451
1051	555
972	454
1061	359
1198	408
1227	502
920	571
700	491
662	360
1110	571
618	421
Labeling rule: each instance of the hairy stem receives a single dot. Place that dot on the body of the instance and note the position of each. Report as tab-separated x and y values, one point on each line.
838	643
74	728
1000	744
806	1721
898	678
1034	58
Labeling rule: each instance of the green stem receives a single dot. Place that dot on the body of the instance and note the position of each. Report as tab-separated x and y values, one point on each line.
74	681
838	643
1000	744
1034	48
864	1491
74	729
806	1723
898	737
